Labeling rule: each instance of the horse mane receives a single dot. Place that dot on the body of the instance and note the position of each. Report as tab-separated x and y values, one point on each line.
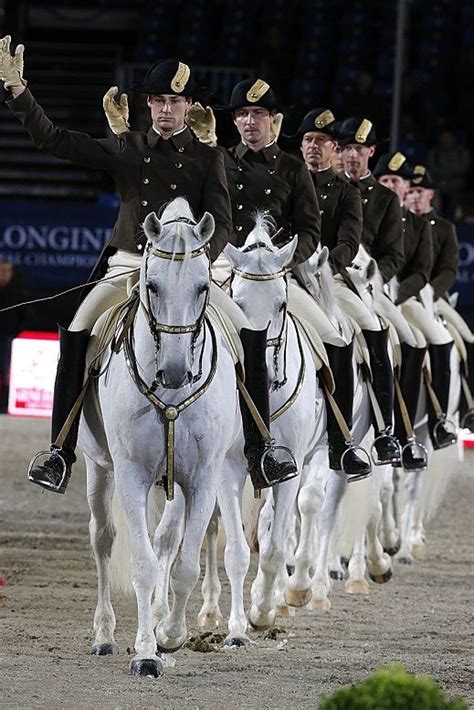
264	224
174	210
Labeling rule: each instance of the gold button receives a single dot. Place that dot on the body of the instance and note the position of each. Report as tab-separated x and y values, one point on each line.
271	172
173	186
147	159
178	165
324	197
432	221
364	201
239	227
239	186
239	207
144	203
404	219
274	157
239	168
268	191
371	187
145	181
181	150
321	211
139	247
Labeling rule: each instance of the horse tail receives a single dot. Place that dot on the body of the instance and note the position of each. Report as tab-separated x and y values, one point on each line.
120	569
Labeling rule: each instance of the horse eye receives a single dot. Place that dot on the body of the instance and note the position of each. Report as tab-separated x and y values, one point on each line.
151	286
203	289
282	307
356	266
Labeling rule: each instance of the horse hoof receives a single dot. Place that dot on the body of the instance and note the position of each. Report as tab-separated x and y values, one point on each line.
147	667
298	597
418	551
237	642
382	578
357	586
392	551
405	560
261	621
335	574
209	622
285	611
164	649
319	604
104	649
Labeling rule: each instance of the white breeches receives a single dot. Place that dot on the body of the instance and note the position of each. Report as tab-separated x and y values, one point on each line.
446	311
304	307
433	330
355	307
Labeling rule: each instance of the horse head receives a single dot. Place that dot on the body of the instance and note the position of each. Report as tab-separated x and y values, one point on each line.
174	288
366	277
259	282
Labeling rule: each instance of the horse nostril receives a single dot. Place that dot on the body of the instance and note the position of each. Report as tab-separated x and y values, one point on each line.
189	376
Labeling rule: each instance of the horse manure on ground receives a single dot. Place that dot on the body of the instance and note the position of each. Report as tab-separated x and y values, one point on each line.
207	642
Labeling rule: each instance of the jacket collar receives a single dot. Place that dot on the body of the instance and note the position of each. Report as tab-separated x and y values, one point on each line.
322	177
270	151
178	140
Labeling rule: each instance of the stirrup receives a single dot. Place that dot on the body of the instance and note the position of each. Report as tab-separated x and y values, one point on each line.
413	444
270	450
352	477
450	427
46	484
469	415
375	458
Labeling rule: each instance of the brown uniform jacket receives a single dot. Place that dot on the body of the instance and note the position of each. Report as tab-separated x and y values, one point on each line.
341	217
148	171
445	253
279	184
417	243
382	233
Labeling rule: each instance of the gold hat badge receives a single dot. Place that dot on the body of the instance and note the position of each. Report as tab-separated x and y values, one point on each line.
419	171
396	162
363	131
181	78
324	119
258	89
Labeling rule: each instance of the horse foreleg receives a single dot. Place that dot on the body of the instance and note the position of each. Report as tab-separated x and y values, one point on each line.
133	485
171	632
237	551
100	488
210	615
166	542
271	536
389	533
379	563
411	489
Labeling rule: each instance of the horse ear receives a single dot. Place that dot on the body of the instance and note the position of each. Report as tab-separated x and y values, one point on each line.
288	251
323	257
152	226
234	255
205	228
371	269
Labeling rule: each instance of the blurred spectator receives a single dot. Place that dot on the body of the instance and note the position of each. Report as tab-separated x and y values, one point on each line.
412	141
448	163
12	291
362	101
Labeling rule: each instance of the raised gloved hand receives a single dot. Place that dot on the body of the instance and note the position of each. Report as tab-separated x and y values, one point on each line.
116	113
203	122
11	66
275	126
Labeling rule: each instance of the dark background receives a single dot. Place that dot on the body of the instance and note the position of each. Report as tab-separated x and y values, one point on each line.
332	54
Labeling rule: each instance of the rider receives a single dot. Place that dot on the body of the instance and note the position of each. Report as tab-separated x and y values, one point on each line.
149	170
393	172
382	237
341	228
443	274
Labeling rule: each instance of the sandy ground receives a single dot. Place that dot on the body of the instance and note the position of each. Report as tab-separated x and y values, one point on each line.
422	618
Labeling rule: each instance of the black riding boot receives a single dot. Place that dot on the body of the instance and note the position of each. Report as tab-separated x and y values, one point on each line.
466	409
385	444
340	360
264	470
413	455
441	436
54	473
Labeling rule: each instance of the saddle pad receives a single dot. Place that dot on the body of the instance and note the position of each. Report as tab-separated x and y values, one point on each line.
102	333
317	349
227	329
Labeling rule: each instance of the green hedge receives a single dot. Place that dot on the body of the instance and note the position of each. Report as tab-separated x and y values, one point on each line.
392	688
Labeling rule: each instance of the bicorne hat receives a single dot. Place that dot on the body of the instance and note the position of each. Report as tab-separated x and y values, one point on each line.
357	130
393	164
168	76
422	178
252	92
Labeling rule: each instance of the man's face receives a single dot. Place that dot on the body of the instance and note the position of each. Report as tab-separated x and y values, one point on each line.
356	158
6	273
167	112
337	160
396	184
253	124
421	198
317	149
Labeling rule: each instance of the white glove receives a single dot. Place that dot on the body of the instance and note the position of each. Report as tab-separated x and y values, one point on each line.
11	66
203	123
116	113
275	126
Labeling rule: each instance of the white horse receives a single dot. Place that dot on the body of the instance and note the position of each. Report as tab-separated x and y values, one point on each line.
419	492
360	501
168	406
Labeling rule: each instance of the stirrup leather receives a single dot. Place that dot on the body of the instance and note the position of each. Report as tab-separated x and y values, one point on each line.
270	450
417	448
46	484
375	457
353	477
